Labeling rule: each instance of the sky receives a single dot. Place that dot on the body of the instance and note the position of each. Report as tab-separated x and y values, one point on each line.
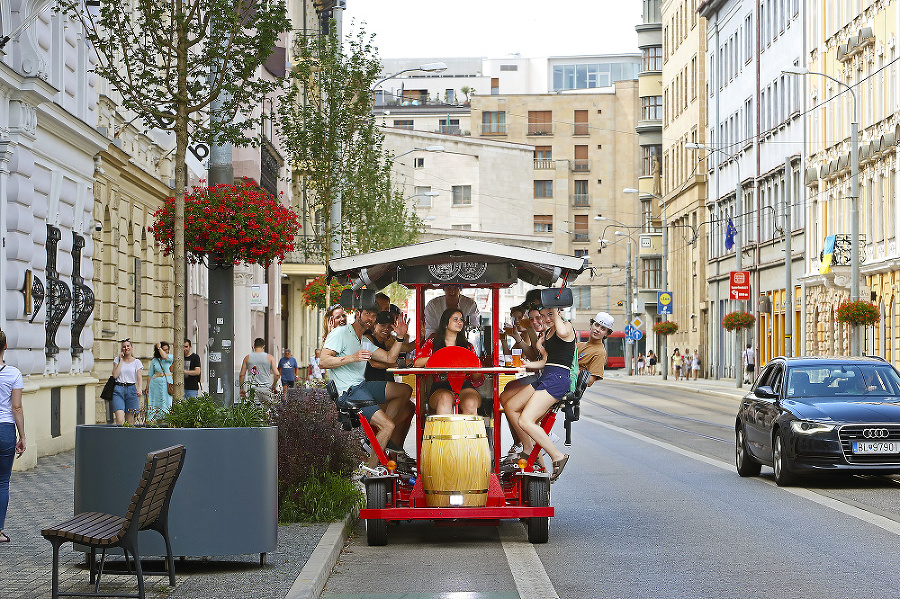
497	28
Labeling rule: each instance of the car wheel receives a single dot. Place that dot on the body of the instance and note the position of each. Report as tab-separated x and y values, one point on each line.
746	465
784	475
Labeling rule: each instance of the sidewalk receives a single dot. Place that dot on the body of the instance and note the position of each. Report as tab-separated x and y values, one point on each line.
44	496
725	387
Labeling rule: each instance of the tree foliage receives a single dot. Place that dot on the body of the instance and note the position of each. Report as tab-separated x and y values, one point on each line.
336	149
169	60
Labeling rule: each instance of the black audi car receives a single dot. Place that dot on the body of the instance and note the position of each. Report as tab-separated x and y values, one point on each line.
813	415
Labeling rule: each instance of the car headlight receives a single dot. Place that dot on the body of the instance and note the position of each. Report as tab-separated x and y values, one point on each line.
810	427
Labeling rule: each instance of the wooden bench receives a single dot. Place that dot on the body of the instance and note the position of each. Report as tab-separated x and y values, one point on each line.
149	510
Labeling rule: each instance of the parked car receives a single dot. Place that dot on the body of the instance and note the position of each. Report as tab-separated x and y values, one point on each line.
813	415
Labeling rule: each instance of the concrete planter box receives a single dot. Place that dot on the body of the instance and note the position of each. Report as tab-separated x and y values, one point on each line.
225	501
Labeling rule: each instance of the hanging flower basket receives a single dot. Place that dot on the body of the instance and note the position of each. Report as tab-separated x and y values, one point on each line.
859	312
229	224
314	292
734	321
666	327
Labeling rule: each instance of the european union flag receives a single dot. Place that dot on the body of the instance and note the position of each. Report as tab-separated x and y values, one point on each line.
730	232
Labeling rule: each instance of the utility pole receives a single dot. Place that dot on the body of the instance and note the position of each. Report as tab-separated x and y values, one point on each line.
629	347
788	284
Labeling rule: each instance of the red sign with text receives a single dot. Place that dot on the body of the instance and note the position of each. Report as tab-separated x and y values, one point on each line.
740	285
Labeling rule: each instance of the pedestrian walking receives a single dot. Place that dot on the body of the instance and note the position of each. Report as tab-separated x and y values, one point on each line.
261	371
159	377
676	363
289	370
640	363
651	362
695	364
191	371
128	372
12	419
748	359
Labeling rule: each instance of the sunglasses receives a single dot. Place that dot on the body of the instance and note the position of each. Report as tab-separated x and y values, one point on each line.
333	307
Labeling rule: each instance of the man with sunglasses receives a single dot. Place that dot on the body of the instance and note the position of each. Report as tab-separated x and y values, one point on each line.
592	353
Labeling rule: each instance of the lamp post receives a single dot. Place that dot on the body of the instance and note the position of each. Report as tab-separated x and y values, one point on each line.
629	312
738	200
855	345
663	361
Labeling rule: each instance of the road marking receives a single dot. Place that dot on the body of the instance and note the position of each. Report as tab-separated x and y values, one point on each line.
527	569
882	522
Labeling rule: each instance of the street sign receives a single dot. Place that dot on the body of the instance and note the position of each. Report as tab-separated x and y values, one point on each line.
637	322
628	329
664	301
636	335
740	285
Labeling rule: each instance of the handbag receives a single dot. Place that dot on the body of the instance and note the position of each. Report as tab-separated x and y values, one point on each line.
170	387
108	388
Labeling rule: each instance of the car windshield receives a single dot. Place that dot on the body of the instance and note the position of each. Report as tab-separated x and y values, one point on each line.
838	381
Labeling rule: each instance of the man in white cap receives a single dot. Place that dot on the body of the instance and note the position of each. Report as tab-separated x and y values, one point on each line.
592	353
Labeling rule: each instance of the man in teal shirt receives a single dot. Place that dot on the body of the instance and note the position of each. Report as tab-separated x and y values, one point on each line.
345	360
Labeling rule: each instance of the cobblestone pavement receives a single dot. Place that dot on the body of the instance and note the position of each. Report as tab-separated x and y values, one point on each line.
44	496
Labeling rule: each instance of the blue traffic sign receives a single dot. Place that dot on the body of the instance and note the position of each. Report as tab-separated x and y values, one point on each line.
628	330
636	334
664	300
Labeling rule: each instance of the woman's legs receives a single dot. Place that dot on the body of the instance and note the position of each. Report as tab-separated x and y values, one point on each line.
7	455
538	405
514	407
469	401
441	402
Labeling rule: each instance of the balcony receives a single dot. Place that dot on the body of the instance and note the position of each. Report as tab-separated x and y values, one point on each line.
582	237
492	129
581	129
842	250
580	200
580	166
540	129
450	130
541	165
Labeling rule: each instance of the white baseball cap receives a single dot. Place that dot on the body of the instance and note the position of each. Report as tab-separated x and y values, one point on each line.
604	319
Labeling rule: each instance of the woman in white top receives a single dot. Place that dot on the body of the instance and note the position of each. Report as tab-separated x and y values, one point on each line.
128	371
12	418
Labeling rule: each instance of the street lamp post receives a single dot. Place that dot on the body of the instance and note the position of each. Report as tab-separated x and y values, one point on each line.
663	361
630	292
854	199
739	201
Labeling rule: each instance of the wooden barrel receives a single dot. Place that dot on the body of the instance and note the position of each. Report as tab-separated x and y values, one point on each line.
456	461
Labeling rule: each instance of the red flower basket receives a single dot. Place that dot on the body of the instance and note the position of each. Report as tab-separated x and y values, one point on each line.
667	327
314	292
734	321
859	312
231	223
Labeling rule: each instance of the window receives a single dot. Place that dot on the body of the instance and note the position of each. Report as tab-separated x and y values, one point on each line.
581	228
582	254
450	96
543	152
509	67
462	195
651	59
581	164
651	108
450	126
650	160
651	269
582	197
403	124
423	196
540	122
495	86
461	227
418	162
581	123
581	294
493	123
543	223
543	189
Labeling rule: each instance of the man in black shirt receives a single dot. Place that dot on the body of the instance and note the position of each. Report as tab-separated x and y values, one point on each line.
191	371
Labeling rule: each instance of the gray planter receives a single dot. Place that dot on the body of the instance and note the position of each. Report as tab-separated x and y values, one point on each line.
225	501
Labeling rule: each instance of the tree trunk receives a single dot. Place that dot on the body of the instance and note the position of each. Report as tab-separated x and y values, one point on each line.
178	257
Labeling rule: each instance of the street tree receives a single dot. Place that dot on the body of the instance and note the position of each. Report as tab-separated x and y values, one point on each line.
169	60
336	149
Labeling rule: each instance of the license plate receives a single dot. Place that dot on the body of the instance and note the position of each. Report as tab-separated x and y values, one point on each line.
876	447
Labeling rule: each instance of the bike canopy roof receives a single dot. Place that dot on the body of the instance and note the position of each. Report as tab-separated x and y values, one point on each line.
457	260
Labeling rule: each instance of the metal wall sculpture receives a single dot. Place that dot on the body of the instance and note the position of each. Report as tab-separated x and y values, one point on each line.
83	297
59	298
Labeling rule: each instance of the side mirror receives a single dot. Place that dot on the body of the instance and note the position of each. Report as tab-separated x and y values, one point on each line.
766	392
560	297
360	298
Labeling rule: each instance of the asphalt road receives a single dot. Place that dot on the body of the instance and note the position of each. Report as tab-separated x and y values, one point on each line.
650	506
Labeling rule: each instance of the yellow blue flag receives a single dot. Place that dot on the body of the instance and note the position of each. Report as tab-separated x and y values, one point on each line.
730	232
827	255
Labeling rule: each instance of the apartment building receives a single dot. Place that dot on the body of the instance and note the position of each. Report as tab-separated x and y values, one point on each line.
854	42
584	155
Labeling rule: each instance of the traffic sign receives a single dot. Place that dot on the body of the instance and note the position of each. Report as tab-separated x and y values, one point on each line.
628	329
636	335
664	302
637	322
740	285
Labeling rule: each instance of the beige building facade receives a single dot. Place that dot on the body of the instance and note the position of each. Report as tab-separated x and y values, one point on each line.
584	155
684	176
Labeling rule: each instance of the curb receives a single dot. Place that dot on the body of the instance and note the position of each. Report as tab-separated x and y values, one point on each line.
690	389
312	578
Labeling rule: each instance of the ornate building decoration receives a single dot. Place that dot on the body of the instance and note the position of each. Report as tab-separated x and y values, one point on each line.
59	298
83	297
